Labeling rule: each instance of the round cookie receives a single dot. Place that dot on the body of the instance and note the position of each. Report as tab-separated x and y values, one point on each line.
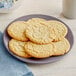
38	32
61	47
17	47
16	30
58	30
39	51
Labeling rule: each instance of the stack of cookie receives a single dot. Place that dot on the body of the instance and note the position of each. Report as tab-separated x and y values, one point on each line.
38	38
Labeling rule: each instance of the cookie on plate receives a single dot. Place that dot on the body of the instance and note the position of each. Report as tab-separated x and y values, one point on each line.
61	47
58	30
16	30
39	51
37	32
17	47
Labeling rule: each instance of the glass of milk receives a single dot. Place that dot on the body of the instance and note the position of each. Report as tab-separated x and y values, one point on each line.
69	8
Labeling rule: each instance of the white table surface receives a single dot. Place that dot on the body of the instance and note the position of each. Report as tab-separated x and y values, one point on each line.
67	65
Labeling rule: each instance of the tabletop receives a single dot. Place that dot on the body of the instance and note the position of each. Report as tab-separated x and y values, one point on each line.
67	65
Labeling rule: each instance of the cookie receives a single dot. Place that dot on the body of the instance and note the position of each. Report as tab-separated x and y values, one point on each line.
58	30
17	47
16	30
61	47
38	32
39	51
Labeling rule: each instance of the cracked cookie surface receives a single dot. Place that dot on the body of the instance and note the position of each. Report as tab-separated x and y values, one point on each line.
16	30
38	32
17	47
39	51
61	47
58	30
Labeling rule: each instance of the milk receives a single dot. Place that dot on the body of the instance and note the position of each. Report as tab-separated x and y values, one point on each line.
69	8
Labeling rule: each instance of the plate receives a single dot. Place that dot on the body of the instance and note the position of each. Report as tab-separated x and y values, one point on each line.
6	39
